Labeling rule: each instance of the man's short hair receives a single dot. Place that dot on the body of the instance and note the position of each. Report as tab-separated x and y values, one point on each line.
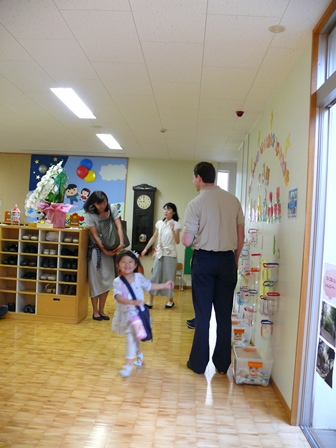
206	171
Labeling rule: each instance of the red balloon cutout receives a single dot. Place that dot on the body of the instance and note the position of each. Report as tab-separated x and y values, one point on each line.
82	171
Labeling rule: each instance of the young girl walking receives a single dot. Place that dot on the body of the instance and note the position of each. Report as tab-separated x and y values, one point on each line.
128	264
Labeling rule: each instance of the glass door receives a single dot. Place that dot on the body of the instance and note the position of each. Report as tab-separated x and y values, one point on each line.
319	402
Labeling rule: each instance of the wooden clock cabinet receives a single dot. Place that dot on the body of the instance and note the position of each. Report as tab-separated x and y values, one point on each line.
143	216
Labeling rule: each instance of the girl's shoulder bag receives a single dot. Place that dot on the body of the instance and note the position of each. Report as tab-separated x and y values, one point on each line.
144	331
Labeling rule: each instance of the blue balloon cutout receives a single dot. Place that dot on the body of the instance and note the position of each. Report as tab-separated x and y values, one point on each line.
87	163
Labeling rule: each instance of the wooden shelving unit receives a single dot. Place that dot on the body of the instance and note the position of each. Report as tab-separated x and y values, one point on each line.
43	273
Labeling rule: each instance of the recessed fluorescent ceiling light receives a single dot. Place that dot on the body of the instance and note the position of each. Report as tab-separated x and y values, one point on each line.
73	102
109	141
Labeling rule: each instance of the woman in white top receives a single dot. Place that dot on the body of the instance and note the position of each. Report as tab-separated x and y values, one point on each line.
167	232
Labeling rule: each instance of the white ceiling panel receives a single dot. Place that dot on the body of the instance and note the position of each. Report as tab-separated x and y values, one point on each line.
170	21
106	36
247	52
99	5
60	58
35	77
176	94
263	8
143	66
173	62
124	79
227	83
37	19
10	49
173	117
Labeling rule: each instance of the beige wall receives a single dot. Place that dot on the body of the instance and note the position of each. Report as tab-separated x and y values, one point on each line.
287	116
14	181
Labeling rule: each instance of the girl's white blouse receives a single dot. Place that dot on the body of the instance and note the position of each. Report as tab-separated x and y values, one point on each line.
124	313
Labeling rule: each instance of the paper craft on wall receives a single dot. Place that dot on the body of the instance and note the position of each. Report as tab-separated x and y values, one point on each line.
84	176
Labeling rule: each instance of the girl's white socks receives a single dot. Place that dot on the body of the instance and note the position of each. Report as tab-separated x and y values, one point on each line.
126	371
139	360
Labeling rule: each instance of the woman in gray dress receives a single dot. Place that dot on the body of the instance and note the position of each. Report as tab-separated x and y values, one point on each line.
101	270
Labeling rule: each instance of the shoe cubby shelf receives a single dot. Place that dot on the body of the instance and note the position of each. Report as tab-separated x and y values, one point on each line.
43	273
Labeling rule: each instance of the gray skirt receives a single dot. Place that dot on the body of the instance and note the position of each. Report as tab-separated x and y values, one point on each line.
163	270
100	280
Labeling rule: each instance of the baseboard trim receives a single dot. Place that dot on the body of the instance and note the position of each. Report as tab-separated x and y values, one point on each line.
281	399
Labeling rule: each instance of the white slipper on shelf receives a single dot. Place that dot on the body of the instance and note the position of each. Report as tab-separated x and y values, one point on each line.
75	240
68	240
34	238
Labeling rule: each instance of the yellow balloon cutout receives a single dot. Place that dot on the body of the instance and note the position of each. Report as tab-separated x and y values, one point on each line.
91	176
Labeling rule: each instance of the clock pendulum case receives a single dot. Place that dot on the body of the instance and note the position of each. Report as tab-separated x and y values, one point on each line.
143	216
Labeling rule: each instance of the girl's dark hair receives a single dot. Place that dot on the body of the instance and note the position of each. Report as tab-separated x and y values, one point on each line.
206	171
96	197
173	207
129	253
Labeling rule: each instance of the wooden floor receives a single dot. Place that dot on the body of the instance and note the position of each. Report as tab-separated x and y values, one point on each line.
60	387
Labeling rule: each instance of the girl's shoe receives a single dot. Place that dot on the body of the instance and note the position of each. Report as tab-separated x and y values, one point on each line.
169	305
139	360
126	371
149	305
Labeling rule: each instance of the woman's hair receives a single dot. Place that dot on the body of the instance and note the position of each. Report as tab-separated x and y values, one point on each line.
129	253
206	171
173	207
96	197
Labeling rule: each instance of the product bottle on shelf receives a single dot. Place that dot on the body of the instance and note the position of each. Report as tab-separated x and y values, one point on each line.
243	288
244	260
15	215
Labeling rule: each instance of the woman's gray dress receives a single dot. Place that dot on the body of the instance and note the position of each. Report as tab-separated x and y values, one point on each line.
100	279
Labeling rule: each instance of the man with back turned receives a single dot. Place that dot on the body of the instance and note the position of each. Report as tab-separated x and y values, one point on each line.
214	226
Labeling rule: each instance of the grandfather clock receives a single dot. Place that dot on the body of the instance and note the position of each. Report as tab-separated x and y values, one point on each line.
143	216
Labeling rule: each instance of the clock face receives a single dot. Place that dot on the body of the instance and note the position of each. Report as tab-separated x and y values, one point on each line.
144	201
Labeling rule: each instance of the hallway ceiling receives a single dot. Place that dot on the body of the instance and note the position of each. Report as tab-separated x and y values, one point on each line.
144	66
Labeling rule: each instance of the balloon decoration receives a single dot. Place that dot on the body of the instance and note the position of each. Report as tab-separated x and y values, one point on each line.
43	169
91	176
82	171
87	163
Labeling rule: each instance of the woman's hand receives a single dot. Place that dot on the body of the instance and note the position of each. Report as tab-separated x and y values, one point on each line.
138	302
111	253
169	285
143	253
